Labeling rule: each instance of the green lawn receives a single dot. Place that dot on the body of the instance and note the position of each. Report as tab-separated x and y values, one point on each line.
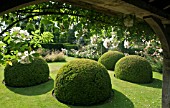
126	94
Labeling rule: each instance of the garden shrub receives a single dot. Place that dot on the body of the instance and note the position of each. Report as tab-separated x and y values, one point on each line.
134	68
69	46
43	52
59	46
110	58
52	46
24	75
55	57
82	82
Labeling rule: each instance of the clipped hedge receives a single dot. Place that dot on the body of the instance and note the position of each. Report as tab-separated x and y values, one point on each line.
134	68
24	75
52	46
69	46
110	58
82	82
59	46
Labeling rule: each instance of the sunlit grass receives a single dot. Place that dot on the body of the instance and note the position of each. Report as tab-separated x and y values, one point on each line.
126	94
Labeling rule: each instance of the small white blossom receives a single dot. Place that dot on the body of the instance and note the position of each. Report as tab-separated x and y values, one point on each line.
93	39
26	53
64	51
24	60
19	53
23	57
32	52
15	29
160	50
25	32
126	44
17	41
76	32
107	43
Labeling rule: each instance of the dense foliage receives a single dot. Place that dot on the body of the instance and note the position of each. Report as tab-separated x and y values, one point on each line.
24	75
82	82
134	68
71	24
110	58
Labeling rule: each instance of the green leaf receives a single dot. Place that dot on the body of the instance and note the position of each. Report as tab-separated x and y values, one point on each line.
36	54
6	38
30	58
1	56
9	62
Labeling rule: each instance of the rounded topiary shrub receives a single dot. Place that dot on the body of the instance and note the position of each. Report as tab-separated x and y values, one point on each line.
82	82
110	58
134	68
24	75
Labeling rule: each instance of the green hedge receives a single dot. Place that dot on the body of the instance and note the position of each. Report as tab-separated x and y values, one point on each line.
82	82
59	46
24	75
69	46
134	68
54	46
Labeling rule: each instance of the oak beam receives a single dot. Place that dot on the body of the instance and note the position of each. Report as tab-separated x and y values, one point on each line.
162	31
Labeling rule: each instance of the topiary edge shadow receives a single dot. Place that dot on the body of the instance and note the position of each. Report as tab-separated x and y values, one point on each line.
101	103
3	82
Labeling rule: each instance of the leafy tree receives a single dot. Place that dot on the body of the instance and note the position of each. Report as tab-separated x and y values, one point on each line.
68	23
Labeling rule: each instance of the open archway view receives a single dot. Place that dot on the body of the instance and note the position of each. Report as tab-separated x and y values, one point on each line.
60	32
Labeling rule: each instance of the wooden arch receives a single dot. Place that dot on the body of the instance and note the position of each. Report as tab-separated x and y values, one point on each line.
155	12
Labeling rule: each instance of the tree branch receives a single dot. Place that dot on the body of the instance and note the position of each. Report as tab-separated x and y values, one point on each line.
46	13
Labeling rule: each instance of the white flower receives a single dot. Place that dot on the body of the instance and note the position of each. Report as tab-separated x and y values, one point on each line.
24	60
76	32
23	57
127	33
126	54
64	51
26	53
148	43
17	41
77	52
143	40
107	43
160	50
32	52
15	29
126	44
25	32
93	39
113	34
19	53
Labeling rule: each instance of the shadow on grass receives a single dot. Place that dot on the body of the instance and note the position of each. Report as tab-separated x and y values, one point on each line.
118	100
155	84
34	90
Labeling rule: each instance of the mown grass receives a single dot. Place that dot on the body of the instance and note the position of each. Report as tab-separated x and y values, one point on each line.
126	94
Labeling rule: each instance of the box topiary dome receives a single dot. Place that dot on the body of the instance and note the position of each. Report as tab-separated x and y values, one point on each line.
24	75
110	58
134	68
82	82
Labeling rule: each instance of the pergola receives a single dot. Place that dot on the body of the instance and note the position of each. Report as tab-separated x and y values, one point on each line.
155	12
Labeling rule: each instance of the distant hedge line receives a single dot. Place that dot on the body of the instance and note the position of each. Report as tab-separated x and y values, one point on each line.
58	46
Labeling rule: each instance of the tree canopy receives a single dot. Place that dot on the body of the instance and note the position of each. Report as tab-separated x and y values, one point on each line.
61	17
67	22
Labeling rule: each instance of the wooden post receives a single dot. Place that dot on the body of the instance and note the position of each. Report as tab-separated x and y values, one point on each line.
163	32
